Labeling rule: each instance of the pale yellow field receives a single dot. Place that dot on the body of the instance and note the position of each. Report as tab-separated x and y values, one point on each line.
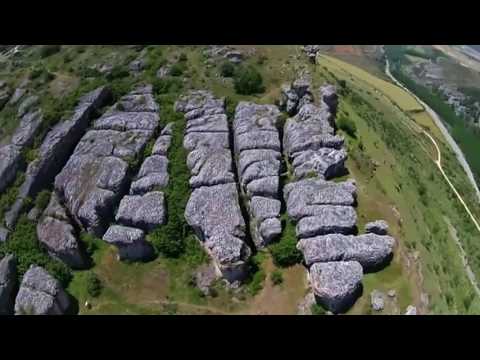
402	98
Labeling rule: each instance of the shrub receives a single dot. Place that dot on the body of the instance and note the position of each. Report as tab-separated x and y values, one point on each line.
348	126
117	72
227	69
285	252
276	277
42	200
49	50
24	244
90	242
256	284
177	69
167	85
248	81
183	57
168	240
8	197
94	285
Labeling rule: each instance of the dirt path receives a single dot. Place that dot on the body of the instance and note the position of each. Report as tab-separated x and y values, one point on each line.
456	149
438	163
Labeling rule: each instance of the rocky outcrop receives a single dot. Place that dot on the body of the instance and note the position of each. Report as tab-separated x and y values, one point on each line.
213	210
10	161
295	95
27	129
336	284
5	93
377	300
257	150
311	51
56	149
219	224
41	294
379	227
8	284
322	154
153	174
95	177
3	234
370	250
223	51
144	209
145	212
131	243
56	233
321	207
324	211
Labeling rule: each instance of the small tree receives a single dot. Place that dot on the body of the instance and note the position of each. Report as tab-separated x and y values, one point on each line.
227	69
248	81
94	285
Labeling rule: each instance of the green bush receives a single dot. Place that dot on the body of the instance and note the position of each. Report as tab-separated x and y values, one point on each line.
118	72
94	285
285	252
42	199
90	242
49	50
177	69
348	126
8	197
24	244
248	81
227	69
170	240
276	277
257	282
167	85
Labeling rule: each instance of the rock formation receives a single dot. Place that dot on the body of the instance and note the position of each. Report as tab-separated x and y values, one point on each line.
258	154
95	177
41	294
8	284
144	208
56	233
56	149
324	211
213	210
131	243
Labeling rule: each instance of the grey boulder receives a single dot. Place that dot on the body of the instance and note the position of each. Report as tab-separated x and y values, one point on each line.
370	250
145	212
41	294
8	283
56	233
130	242
379	227
336	285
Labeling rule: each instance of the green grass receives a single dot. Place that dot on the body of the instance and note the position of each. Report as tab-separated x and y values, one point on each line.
404	189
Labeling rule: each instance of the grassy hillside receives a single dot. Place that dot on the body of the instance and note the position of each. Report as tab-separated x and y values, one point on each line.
407	187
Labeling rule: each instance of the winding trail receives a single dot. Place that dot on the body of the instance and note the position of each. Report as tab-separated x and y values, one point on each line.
438	163
456	149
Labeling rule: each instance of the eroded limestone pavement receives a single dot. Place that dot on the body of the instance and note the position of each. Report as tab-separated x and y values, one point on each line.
324	210
100	187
